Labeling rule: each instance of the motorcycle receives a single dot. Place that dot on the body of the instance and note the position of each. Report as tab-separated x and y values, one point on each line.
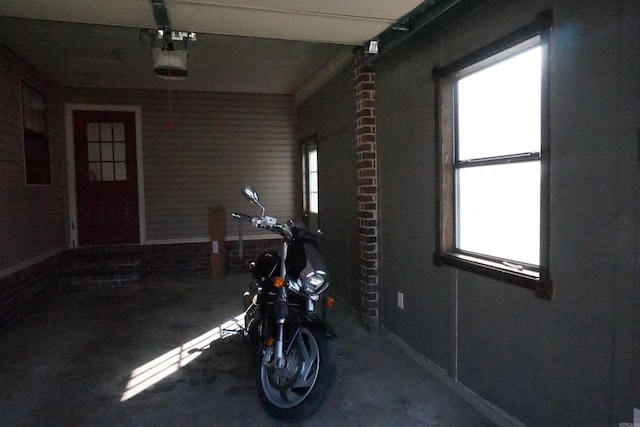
296	347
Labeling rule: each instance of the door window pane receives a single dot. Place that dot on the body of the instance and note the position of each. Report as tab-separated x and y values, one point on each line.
95	171
105	132
93	132
120	171
118	131
94	152
119	153
107	159
107	171
106	150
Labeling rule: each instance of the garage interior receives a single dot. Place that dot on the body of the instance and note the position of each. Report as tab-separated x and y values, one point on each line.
201	97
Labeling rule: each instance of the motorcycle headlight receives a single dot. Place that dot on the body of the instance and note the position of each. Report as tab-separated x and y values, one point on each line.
315	282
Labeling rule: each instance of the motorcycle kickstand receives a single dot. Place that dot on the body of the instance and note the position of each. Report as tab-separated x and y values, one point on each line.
242	331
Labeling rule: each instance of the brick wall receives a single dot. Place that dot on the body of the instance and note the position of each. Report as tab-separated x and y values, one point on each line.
152	260
27	290
30	288
188	259
184	258
366	153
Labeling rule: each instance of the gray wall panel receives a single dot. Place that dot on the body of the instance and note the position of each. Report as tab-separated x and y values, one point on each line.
331	113
559	362
406	190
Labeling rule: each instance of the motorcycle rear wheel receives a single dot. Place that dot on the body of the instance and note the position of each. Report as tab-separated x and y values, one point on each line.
297	391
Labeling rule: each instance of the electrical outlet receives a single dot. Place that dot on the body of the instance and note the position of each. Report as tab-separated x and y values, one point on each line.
401	300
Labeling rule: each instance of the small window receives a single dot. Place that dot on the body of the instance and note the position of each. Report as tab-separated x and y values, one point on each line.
493	163
106	152
36	140
310	175
312	178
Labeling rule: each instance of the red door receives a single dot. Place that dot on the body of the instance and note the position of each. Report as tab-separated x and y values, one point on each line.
106	177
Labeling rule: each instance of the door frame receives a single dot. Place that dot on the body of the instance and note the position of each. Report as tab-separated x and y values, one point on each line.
72	229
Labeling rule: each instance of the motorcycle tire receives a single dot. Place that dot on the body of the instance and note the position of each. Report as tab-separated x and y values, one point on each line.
297	391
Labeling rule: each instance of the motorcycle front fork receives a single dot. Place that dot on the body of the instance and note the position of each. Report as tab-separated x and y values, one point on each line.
275	355
279	351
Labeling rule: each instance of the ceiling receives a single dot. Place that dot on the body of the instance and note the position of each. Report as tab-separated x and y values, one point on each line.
273	46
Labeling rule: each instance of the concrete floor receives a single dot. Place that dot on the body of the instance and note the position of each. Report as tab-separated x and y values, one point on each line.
114	359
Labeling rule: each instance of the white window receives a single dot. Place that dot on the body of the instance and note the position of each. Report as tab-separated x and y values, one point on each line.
312	179
310	175
493	163
497	161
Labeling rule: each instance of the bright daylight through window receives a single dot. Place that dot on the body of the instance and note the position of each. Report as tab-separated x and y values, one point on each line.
312	180
498	160
493	159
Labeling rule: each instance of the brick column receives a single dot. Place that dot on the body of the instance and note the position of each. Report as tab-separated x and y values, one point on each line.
365	131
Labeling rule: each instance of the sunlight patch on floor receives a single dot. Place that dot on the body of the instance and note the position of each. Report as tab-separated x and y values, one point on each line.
162	366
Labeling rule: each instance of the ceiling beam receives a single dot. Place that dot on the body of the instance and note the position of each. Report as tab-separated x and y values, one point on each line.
160	15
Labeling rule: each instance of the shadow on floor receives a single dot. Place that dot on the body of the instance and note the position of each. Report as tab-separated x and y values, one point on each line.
155	357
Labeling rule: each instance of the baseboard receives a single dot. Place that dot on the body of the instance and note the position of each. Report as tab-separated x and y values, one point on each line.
489	410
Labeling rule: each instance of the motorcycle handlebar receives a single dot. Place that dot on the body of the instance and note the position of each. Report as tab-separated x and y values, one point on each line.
259	222
239	215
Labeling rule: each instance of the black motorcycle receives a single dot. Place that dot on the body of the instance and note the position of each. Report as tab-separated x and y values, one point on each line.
296	345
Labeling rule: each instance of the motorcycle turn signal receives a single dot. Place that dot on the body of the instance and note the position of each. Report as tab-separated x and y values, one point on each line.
278	282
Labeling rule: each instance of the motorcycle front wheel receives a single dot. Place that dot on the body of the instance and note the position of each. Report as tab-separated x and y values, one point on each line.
297	390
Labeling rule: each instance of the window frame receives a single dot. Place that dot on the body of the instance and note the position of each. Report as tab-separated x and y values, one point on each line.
35	142
445	79
308	145
311	191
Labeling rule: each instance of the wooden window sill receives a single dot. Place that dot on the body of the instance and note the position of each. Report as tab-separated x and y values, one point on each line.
525	278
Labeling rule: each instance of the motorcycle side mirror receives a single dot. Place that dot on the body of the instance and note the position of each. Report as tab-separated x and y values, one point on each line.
250	194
